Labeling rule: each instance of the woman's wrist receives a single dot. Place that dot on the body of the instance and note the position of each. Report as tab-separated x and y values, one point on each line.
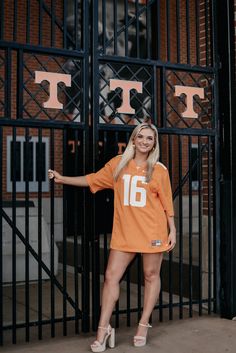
172	229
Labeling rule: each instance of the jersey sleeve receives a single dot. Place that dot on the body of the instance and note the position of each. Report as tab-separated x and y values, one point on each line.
103	179
165	193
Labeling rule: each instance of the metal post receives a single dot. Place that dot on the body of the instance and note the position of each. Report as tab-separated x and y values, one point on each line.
227	110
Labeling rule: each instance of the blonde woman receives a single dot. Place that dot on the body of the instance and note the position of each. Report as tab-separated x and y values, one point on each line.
143	223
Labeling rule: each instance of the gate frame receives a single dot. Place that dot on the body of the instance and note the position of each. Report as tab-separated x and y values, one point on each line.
96	59
227	112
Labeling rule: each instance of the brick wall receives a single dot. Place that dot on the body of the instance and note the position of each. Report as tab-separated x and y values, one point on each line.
16	24
34	20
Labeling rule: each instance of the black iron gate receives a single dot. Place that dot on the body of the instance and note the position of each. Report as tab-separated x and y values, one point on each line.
54	241
168	46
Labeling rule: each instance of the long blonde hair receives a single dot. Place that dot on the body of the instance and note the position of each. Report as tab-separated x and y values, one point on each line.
129	152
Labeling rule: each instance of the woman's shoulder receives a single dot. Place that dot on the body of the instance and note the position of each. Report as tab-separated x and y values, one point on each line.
160	172
160	167
115	160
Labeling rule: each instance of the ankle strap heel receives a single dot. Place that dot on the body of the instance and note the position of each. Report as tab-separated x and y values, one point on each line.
140	341
145	325
109	337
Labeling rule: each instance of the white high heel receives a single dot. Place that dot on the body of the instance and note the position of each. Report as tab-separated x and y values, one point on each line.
97	346
140	341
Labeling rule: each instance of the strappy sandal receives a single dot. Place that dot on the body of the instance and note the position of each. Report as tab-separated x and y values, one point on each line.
140	341
97	346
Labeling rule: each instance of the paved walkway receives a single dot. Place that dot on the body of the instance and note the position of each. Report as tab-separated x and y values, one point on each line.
198	335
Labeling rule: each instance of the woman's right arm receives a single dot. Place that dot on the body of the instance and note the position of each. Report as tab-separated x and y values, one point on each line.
61	179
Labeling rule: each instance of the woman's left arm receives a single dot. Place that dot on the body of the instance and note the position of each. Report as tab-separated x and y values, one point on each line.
172	233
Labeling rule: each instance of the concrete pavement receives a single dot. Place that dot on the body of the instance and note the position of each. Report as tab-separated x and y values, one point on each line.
197	335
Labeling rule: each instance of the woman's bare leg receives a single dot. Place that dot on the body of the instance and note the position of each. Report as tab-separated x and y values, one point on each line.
117	264
152	285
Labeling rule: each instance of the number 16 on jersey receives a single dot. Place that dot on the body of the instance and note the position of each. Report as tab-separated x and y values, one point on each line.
134	195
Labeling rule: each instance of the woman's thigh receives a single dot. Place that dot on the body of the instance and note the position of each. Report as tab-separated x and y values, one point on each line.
152	262
117	263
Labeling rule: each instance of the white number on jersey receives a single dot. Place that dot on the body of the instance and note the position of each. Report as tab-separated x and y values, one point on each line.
132	191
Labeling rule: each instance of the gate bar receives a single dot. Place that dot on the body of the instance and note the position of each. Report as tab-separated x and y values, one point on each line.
28	17
200	223
180	230
8	81
1	247
210	189
65	210
190	250
15	21
85	253
13	173
40	293
137	28
197	28
52	231
27	160
168	29
178	30
188	34
227	108
170	149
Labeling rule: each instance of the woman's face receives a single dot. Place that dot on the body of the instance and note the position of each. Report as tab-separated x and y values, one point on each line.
144	141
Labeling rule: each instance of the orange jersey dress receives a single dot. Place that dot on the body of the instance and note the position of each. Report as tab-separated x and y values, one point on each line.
140	208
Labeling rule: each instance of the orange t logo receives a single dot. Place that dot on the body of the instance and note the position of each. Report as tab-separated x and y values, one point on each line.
189	91
126	86
53	80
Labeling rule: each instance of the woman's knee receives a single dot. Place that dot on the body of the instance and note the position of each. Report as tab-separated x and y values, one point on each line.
151	275
111	276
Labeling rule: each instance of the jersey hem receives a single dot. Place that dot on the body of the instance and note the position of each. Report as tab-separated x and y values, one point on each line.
152	251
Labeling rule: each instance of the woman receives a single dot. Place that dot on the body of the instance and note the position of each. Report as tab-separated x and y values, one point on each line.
143	223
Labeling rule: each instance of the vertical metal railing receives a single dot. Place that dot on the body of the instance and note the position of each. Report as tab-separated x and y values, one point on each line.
27	160
180	230
40	22
52	231
8	85
2	19
137	35
188	32
206	14
64	241
40	284
126	26
85	242
148	32
170	268
197	31
158	29
210	212
168	34
200	224
178	30
28	16
115	26
53	23
190	249
15	20
1	244
13	159
76	235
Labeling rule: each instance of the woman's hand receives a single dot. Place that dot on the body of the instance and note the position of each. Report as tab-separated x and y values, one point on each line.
62	179
172	233
53	174
172	239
